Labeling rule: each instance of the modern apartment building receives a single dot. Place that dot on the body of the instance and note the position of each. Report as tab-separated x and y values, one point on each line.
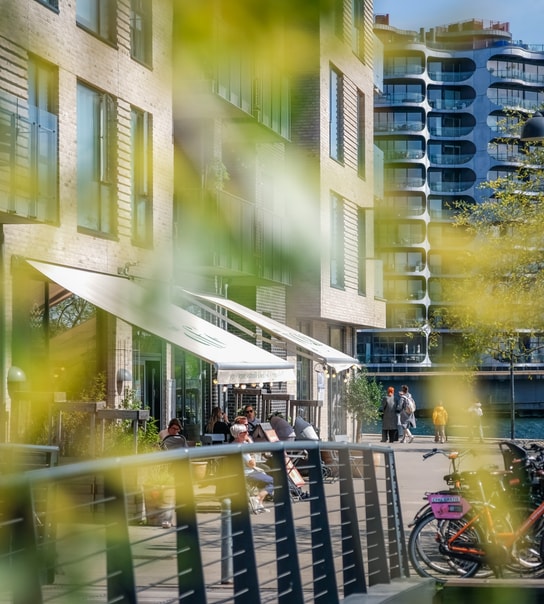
274	179
445	93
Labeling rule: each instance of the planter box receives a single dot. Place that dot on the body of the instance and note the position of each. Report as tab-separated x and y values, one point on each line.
160	501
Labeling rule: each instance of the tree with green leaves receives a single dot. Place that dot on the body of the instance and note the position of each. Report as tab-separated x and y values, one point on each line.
362	398
495	304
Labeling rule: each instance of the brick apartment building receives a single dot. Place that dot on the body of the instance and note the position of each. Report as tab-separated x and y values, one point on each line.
170	143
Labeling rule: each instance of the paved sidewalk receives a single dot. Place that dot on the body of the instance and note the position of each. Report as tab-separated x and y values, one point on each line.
417	475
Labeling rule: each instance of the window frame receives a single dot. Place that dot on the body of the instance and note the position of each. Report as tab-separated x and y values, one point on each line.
361	134
51	4
97	178
141	177
361	251
336	115
104	24
141	39
337	250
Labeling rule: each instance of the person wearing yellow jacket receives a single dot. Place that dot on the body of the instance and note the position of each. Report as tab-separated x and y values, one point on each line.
440	419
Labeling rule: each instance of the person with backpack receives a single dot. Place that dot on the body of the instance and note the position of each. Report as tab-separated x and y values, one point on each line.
440	419
407	407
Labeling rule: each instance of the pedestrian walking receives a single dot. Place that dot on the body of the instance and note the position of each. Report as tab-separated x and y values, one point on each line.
390	428
407	407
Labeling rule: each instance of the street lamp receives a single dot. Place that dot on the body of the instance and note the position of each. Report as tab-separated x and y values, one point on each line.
427	330
533	129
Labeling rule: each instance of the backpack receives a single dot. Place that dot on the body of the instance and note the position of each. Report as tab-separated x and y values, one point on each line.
409	403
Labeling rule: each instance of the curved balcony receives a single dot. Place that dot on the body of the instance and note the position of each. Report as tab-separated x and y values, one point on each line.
406	183
442	208
399	98
505	152
405	290
403	205
405	126
512	103
401	72
449	76
398	261
523	71
517	74
450	131
451	187
450	152
450	70
450	104
395	154
447	159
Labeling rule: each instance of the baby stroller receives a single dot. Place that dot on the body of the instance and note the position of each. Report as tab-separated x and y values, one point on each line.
305	431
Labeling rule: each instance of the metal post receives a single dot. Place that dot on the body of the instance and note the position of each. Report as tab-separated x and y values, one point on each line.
512	399
226	541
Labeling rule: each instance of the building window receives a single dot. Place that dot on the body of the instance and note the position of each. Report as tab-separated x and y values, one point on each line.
140	31
96	160
336	125
142	199
98	17
361	247
53	4
361	134
337	242
358	31
43	139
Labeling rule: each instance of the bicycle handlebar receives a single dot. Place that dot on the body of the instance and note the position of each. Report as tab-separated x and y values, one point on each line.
448	454
430	453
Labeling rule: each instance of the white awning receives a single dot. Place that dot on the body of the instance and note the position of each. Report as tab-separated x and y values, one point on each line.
149	308
318	351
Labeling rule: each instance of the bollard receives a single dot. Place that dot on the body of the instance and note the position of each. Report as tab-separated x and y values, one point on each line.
226	541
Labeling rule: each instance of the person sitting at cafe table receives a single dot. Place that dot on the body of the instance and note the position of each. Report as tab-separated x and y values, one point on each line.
171	438
256	477
252	420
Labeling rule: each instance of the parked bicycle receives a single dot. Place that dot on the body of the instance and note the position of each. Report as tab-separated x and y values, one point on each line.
486	522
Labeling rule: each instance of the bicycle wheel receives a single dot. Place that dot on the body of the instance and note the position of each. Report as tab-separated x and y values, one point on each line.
425	554
527	550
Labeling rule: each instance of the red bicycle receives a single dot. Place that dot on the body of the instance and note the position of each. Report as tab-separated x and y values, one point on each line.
487	522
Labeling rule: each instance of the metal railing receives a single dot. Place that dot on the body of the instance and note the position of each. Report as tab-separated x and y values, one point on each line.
339	535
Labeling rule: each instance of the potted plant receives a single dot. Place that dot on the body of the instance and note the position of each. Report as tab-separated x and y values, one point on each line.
159	495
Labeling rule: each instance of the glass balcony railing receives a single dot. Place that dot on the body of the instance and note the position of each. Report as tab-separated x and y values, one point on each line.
400	97
405	183
441	213
449	104
446	159
451	187
408	70
28	162
450	132
241	238
515	103
517	74
449	76
404	154
415	126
